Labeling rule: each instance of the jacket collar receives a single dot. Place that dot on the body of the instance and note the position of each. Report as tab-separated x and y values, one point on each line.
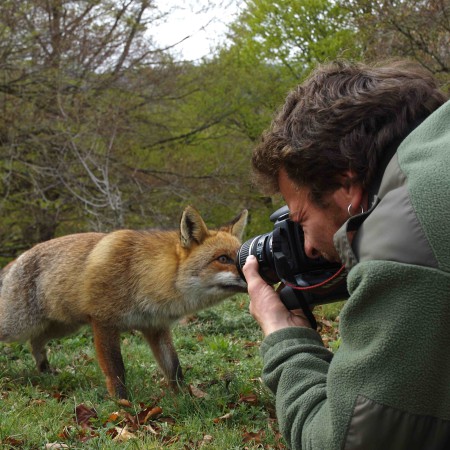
341	239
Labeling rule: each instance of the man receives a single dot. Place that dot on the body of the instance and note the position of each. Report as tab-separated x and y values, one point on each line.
361	156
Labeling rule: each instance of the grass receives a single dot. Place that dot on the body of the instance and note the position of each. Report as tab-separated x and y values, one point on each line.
223	406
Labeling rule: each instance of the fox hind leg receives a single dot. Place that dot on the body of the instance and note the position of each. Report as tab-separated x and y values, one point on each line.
40	353
107	347
161	343
52	331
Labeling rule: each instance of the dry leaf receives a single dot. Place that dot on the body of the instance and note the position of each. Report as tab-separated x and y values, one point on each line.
58	396
250	399
326	322
207	439
224	417
196	392
252	436
83	414
148	427
124	402
123	434
113	416
55	445
13	442
156	411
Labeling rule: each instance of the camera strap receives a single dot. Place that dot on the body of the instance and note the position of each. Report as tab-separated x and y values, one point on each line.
293	299
330	282
294	296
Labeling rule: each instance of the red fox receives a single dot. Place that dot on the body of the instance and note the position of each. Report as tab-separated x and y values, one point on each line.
123	280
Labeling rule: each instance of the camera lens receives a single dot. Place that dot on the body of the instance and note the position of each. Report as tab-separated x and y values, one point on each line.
261	247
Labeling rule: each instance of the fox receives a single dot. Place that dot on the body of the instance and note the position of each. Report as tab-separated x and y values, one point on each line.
116	282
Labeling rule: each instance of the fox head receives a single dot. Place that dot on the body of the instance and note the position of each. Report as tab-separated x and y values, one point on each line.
207	270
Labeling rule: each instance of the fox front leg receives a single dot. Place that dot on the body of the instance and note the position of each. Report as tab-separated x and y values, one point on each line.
107	347
161	343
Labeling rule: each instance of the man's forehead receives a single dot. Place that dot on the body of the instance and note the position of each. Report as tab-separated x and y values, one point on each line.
288	187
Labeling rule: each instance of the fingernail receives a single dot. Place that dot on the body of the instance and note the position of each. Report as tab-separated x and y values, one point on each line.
250	258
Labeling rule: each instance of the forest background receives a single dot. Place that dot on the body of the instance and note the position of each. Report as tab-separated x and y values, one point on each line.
100	128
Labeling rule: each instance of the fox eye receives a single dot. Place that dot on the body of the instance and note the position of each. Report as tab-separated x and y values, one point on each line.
224	259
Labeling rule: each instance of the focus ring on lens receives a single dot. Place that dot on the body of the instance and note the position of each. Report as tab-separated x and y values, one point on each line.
244	252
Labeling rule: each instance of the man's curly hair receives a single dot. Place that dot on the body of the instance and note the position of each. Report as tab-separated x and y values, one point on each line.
343	116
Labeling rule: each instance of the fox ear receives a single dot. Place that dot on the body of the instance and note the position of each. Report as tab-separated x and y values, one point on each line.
192	227
237	226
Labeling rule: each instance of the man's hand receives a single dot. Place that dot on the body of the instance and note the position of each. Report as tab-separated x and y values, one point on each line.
265	304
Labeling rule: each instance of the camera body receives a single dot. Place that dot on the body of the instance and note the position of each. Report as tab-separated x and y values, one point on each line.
282	258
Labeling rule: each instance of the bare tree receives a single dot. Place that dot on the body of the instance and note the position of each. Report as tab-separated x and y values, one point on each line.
417	29
64	65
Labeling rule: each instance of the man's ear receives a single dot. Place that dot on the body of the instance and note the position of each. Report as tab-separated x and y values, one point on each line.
192	227
348	178
351	192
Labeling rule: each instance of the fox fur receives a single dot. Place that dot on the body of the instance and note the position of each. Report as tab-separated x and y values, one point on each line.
119	281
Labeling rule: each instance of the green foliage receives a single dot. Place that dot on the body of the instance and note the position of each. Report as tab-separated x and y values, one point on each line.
297	35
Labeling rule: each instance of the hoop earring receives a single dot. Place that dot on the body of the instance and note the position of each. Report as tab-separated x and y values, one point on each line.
349	210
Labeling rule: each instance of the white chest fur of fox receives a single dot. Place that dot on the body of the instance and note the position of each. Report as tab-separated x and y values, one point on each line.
124	280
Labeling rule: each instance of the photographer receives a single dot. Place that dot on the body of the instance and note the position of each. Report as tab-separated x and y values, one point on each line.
361	156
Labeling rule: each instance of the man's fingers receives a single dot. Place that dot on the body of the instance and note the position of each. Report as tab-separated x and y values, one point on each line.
250	267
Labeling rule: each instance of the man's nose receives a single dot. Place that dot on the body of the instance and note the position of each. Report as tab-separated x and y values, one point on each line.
310	250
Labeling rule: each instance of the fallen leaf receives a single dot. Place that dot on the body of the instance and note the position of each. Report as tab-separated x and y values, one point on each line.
55	445
86	434
12	442
252	436
207	439
156	411
124	402
83	414
131	420
250	399
224	417
58	396
113	416
196	392
65	433
148	427
123	434
326	322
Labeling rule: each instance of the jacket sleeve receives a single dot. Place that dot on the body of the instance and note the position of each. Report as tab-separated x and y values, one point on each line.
388	379
295	369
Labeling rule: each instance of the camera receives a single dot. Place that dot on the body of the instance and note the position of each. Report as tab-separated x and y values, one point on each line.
281	257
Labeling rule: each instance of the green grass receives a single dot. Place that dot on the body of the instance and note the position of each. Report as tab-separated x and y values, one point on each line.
223	406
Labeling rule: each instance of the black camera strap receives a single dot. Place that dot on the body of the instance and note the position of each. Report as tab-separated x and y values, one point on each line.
295	299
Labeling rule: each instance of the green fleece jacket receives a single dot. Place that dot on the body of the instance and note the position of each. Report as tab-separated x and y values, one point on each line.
388	385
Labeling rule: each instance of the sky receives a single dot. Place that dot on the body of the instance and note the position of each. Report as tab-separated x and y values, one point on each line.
203	23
